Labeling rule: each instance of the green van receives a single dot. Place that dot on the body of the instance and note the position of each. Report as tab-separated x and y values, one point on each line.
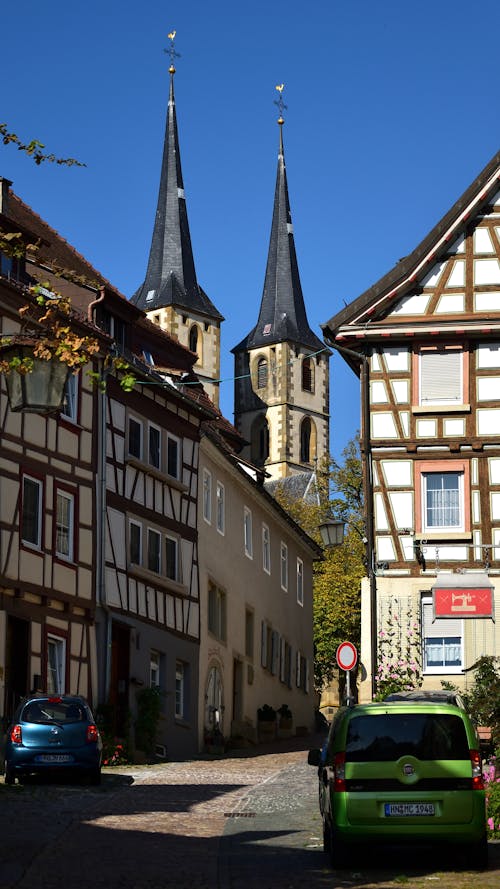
404	773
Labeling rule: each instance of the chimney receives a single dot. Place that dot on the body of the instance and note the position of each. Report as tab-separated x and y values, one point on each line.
4	195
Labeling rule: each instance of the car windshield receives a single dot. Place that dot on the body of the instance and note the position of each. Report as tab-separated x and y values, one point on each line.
386	737
55	710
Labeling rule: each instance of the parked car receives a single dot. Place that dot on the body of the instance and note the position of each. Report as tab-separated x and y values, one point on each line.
401	772
53	734
437	695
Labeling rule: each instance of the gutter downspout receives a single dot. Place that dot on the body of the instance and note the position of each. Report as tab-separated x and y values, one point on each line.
368	492
101	532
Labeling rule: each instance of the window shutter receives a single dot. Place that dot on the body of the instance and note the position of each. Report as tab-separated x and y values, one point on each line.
441	377
263	644
441	627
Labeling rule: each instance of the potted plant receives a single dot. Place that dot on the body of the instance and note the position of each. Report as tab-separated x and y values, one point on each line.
285	724
266	723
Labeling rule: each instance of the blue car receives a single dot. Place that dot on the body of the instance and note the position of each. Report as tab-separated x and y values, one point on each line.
53	734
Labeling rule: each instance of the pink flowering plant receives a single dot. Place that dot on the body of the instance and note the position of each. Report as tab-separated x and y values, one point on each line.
114	752
492	785
399	663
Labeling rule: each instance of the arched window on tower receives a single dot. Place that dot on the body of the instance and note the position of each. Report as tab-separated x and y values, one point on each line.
195	341
307	375
260	441
307	441
262	374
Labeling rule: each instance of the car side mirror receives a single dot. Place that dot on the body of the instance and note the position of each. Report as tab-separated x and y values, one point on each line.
314	757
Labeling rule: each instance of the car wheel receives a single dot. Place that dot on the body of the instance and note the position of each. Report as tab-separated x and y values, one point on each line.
478	854
95	777
338	855
9	775
327	837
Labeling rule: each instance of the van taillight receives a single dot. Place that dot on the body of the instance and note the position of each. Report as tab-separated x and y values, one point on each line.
92	733
477	770
339	769
16	735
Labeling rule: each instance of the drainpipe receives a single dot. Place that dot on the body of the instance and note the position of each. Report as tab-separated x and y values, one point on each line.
101	529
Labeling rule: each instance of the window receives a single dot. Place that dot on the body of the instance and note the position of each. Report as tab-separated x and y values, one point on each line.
135	438
247	532
56	656
31	521
148	357
302	672
259	440
172	558
154	455
441	504
262	374
439	376
266	549
305	441
285	666
179	689
307	375
221	517
442	642
154	542
135	543
154	669
64	525
173	456
216	611
207	496
193	339
300	581
249	625
284	566
70	398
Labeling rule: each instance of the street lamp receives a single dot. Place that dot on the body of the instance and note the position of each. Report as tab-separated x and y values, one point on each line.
332	532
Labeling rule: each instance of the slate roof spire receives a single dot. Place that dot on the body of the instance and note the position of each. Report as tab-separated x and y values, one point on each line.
171	276
282	315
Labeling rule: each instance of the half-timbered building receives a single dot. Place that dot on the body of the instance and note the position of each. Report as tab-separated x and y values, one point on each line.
425	341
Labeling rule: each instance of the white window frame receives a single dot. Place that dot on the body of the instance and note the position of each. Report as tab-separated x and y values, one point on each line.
266	549
134	524
154	668
247	532
173	444
152	532
207	496
300	581
456	527
66	530
36	515
440	372
220	497
180	689
284	566
56	664
437	630
141	433
69	409
154	430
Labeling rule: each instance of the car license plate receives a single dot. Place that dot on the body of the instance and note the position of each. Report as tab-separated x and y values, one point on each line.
405	810
55	757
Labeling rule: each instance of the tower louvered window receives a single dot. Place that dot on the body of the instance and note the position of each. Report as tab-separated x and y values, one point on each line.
262	374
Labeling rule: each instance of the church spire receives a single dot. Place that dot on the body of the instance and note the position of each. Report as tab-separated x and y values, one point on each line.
171	276
282	315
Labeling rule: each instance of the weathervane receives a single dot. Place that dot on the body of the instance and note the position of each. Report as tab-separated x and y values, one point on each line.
171	51
280	103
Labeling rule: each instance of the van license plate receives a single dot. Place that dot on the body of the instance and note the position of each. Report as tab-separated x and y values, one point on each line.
403	810
55	757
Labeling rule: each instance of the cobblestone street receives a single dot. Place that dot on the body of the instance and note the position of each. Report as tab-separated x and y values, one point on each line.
241	821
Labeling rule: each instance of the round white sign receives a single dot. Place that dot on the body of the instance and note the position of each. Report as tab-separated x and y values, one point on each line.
347	656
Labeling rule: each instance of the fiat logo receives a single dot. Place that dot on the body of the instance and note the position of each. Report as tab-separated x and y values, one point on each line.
408	769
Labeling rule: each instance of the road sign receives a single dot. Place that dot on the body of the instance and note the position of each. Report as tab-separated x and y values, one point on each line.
347	656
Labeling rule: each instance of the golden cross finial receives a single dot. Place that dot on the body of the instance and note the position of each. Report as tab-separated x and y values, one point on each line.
171	51
279	102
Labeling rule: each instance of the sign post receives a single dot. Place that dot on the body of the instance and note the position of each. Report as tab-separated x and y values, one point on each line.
347	658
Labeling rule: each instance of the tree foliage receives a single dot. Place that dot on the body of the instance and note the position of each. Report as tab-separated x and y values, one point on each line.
33	149
337	579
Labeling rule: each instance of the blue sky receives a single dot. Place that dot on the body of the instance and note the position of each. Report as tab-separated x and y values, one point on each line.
392	111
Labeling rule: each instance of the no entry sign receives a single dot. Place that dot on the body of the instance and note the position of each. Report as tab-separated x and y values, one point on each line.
347	656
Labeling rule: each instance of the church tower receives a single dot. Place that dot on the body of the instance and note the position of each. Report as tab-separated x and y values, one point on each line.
281	402
170	294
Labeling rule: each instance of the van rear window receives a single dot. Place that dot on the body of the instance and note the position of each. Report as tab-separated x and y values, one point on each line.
388	736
